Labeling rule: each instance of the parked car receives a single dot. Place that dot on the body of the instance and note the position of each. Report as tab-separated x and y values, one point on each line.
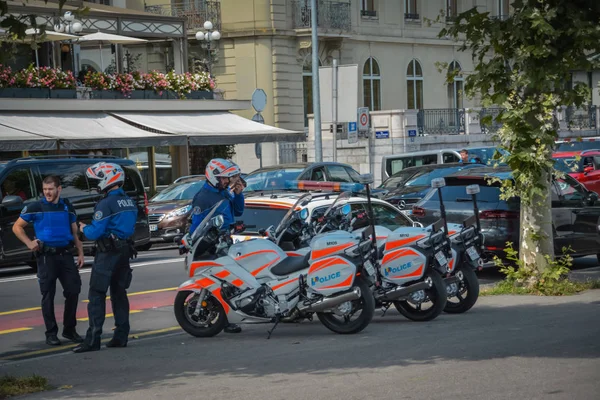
584	166
21	184
263	211
575	211
392	164
410	185
580	144
169	210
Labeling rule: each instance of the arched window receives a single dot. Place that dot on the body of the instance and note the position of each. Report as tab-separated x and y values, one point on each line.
372	85
414	85
455	89
307	91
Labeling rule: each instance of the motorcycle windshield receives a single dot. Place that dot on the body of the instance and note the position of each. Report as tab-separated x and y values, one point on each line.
291	211
201	230
342	197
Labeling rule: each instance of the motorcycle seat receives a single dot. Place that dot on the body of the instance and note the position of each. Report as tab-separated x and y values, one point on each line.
291	264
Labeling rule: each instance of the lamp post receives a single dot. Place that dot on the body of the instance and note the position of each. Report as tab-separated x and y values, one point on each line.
72	27
209	36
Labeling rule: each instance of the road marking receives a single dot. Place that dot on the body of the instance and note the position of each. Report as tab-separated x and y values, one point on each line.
70	346
15	330
110	315
138	293
87	271
20	311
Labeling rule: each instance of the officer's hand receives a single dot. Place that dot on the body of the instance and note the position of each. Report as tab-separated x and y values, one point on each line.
80	261
81	226
34	245
238	187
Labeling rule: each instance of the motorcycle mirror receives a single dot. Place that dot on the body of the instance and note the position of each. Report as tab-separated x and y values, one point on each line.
346	209
438	183
218	221
366	179
473	189
417	224
304	214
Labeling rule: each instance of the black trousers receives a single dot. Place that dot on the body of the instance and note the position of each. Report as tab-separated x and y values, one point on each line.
110	270
62	267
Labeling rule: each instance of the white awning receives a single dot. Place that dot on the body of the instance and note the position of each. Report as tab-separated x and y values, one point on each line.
18	140
210	128
84	130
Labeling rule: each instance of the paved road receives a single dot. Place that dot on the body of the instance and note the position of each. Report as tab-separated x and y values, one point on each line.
504	348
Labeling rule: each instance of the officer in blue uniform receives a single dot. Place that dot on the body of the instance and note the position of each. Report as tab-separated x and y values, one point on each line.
55	230
112	227
223	181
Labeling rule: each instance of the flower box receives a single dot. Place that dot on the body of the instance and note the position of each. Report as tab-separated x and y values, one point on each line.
107	94
25	93
200	95
63	93
154	95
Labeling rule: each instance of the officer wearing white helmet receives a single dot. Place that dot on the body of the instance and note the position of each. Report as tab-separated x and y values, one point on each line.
112	227
223	181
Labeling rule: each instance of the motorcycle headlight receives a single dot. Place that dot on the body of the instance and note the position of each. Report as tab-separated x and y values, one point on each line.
179	212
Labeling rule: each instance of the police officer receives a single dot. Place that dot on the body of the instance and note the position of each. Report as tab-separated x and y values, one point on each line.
55	230
223	181
112	227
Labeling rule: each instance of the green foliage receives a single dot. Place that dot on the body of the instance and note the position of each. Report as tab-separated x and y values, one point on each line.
13	386
523	279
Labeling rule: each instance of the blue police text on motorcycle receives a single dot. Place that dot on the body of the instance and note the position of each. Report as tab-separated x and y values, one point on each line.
112	227
54	224
223	181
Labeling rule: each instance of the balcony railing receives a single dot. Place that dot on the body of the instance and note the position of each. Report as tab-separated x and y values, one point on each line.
196	13
411	16
581	118
334	15
449	121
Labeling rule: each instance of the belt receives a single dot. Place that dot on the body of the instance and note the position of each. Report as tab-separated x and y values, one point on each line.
50	250
112	243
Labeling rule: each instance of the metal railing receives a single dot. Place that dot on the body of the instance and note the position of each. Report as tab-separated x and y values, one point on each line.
583	118
411	16
292	152
492	127
443	121
333	15
196	12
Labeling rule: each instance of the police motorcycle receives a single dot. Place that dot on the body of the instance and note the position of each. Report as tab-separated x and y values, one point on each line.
408	267
257	282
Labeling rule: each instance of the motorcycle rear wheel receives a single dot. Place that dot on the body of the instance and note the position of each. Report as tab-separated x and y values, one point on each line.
436	294
185	304
365	304
470	284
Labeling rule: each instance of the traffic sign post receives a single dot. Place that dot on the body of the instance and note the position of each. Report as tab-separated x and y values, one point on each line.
363	119
258	118
352	133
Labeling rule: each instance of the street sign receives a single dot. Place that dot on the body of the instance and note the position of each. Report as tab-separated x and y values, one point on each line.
382	134
352	133
412	132
258	118
363	119
258	150
259	100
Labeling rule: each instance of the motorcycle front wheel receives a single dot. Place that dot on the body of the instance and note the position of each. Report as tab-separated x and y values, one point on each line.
340	321
436	297
468	292
210	321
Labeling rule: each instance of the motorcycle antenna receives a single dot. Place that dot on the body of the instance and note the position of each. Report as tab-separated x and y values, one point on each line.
439	183
366	180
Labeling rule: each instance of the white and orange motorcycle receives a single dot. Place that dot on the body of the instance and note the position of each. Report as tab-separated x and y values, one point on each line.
255	281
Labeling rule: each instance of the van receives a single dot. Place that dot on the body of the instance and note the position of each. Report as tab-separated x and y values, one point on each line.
21	183
396	163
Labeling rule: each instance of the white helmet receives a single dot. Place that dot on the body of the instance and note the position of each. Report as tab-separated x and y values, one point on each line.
109	174
219	167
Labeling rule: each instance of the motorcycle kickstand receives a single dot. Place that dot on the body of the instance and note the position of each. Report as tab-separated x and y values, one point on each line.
277	319
385	308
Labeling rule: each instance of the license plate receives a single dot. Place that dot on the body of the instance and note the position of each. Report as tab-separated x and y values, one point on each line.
473	254
441	258
153	228
369	268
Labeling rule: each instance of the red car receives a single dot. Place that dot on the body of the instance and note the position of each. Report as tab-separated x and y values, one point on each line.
586	170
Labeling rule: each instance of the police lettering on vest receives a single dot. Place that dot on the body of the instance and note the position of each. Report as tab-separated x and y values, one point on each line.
51	222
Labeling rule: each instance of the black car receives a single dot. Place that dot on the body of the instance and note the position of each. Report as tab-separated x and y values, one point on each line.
575	211
21	184
409	186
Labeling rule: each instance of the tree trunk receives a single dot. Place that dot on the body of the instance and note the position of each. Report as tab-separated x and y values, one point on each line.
537	239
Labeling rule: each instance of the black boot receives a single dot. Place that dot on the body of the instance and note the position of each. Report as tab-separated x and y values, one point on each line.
73	336
233	328
116	343
84	348
52	340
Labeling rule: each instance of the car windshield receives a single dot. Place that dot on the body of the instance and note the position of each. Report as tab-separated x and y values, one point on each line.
424	178
566	164
578	146
271	180
261	217
486	154
398	179
179	191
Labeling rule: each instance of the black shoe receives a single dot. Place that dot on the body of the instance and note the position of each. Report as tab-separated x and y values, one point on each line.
84	348
52	340
73	336
233	328
116	343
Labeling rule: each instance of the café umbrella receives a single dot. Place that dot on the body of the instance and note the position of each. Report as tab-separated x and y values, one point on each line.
108	38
